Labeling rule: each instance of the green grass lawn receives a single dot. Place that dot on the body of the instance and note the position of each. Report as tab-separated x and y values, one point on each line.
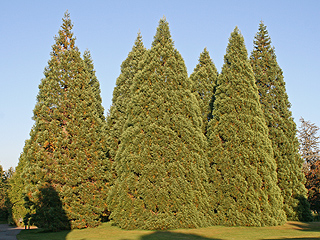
291	230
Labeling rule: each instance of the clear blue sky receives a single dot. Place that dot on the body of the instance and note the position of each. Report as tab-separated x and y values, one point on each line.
108	29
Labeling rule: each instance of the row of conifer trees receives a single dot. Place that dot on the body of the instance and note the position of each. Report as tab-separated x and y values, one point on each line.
173	152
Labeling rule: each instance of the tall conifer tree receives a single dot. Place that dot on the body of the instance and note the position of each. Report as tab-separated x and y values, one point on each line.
67	148
94	83
204	79
240	151
4	189
162	166
282	129
121	95
16	193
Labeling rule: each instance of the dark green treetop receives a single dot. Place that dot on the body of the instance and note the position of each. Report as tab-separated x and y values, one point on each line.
121	95
204	79
282	129
160	164
240	151
67	146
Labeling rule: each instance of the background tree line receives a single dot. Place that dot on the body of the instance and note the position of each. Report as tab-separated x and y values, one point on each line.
174	151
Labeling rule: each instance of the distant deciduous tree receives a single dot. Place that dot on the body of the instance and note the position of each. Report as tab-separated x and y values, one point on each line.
310	152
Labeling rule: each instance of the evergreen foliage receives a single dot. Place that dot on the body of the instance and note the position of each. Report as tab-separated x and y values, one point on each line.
67	146
16	192
240	152
309	150
160	163
121	95
282	129
3	194
5	177
204	79
94	83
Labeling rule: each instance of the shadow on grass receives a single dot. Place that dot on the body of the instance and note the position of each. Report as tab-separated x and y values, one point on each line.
40	234
300	226
306	238
310	226
166	235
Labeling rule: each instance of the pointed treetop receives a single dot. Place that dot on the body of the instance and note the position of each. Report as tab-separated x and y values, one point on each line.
236	44
87	55
262	40
65	40
163	35
204	56
138	42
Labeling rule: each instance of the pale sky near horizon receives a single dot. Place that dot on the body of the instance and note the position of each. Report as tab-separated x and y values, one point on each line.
108	29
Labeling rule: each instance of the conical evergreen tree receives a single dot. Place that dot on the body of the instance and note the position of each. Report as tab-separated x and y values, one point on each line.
204	79
117	114
16	193
282	129
240	151
67	147
94	83
4	189
162	166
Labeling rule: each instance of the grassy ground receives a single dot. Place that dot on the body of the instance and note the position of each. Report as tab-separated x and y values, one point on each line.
291	230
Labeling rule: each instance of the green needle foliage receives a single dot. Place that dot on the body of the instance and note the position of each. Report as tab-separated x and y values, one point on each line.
282	129
94	83
240	151
121	95
160	163
5	205
67	147
204	79
16	193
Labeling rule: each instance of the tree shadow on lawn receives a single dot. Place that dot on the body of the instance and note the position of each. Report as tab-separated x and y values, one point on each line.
284	238
39	234
166	235
307	226
301	226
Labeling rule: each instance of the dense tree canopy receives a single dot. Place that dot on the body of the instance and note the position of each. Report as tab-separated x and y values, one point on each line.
16	193
282	129
5	205
121	95
174	151
160	164
239	149
204	79
67	147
